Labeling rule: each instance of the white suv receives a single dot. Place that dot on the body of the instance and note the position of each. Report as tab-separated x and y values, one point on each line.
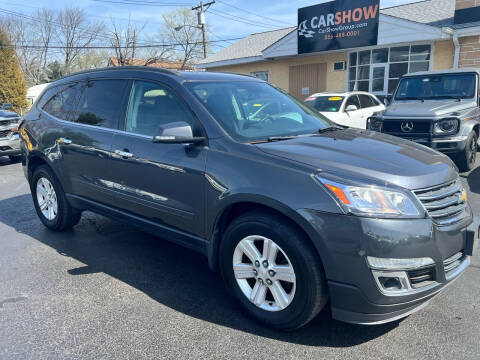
349	108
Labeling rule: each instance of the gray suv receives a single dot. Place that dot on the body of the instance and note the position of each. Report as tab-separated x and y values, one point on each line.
295	211
9	139
439	109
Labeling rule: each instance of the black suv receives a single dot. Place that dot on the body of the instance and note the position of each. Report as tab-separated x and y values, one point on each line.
291	208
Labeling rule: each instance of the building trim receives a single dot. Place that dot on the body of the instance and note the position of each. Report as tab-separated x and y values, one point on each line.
238	61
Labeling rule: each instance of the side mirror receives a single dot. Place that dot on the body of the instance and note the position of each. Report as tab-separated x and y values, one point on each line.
178	132
351	108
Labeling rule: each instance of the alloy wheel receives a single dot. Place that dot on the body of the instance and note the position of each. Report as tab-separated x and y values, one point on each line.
264	273
47	198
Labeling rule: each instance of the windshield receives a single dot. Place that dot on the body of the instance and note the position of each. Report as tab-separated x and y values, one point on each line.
455	86
325	103
256	111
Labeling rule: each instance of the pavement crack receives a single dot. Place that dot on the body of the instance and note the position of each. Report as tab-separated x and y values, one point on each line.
12	300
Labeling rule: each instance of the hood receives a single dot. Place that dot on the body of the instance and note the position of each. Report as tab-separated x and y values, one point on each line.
429	108
5	114
369	155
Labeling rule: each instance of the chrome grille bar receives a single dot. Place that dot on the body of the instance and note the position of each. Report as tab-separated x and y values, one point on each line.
443	203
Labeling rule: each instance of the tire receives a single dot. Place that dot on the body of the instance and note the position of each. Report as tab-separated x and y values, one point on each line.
466	159
15	158
57	218
307	294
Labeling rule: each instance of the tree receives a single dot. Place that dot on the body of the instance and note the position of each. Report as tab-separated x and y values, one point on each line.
55	71
13	88
90	59
181	28
74	32
125	43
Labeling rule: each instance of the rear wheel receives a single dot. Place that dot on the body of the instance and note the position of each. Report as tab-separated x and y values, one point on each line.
466	159
272	270
15	158
50	202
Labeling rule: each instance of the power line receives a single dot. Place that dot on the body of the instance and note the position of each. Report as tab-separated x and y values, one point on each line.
113	47
143	2
248	11
233	18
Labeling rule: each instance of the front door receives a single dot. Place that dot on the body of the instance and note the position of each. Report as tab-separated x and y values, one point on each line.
163	183
379	79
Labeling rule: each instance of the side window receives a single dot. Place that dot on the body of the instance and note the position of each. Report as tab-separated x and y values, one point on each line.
376	101
353	100
366	101
100	103
151	106
62	102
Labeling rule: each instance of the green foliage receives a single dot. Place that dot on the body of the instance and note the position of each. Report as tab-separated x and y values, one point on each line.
13	88
55	71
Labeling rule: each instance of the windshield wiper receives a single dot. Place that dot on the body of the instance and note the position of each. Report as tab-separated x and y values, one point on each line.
329	129
281	138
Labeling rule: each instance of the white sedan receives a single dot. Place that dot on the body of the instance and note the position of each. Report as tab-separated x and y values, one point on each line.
349	108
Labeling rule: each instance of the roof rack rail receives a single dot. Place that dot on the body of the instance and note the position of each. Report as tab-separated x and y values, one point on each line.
127	67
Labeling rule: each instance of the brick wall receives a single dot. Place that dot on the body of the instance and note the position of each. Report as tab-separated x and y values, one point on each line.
465	4
469	51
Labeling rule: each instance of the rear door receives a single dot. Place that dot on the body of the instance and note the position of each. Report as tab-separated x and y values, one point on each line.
164	183
369	106
87	142
352	118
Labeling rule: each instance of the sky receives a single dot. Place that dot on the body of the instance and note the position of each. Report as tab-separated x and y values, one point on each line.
226	19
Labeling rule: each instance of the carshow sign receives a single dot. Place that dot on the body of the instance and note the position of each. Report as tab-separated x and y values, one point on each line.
340	24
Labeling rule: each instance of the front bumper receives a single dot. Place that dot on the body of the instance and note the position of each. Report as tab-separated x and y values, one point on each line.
10	145
344	242
447	144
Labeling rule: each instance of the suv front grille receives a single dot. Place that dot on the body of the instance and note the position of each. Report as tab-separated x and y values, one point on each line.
4	133
6	122
420	127
443	203
453	262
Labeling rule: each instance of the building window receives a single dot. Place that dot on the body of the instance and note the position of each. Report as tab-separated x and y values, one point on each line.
262	75
379	70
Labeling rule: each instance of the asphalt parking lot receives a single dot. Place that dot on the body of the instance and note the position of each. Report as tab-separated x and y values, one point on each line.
109	291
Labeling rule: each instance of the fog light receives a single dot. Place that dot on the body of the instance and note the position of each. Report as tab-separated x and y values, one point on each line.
392	283
398	264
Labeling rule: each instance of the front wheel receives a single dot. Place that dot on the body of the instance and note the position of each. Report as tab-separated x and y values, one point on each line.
15	158
273	270
466	159
50	202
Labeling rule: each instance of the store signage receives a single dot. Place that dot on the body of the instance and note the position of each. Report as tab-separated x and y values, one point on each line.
341	24
465	16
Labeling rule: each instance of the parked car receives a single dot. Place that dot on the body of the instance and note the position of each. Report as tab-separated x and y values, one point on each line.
291	208
9	139
349	109
439	109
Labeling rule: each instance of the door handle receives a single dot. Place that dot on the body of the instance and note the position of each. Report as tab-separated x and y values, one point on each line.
124	154
65	141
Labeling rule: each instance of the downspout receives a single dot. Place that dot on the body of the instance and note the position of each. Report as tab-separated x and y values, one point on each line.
457	51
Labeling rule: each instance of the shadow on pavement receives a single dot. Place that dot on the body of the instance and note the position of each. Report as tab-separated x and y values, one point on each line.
473	179
169	274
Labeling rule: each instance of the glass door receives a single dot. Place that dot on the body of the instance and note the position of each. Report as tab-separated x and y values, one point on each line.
379	79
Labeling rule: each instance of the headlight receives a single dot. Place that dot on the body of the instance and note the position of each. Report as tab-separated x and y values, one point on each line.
372	201
374	124
445	127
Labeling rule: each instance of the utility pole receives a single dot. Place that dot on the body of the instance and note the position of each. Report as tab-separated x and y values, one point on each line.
201	22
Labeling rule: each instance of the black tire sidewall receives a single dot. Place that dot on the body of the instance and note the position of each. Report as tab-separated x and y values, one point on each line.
464	157
297	313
